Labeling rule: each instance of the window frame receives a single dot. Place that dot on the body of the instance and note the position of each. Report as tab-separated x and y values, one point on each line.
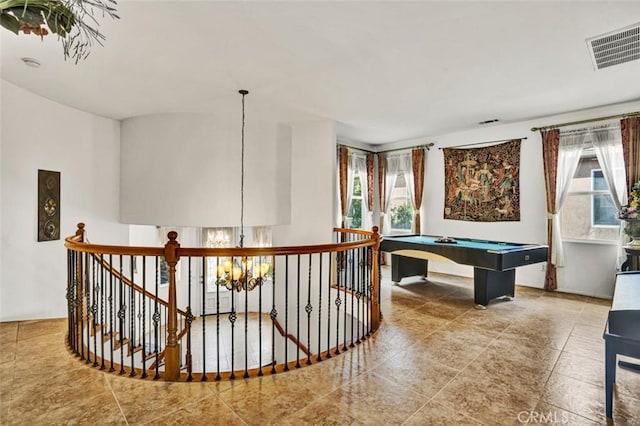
407	197
589	152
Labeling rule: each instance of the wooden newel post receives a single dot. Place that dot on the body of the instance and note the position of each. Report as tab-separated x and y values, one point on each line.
172	351
375	278
80	232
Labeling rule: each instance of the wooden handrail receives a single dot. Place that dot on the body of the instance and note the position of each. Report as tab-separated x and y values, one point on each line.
291	337
137	288
72	243
353	231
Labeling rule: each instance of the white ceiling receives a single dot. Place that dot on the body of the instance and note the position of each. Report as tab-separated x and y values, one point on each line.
385	71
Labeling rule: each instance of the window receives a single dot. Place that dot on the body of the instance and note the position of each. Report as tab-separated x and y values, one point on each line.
216	238
354	217
256	236
589	212
401	211
603	209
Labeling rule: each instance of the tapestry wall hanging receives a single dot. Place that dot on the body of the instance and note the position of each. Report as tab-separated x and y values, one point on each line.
48	205
482	184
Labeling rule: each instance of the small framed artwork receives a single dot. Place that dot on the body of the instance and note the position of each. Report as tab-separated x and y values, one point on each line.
48	205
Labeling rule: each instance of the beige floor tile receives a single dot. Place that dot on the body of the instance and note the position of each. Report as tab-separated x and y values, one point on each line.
590	348
437	414
587	400
323	412
372	399
485	399
268	399
208	410
545	413
142	401
417	371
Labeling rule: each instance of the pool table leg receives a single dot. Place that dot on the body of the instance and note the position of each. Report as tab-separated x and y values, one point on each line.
404	266
489	284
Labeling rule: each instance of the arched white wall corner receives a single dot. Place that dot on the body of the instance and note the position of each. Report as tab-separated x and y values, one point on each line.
40	134
184	170
312	185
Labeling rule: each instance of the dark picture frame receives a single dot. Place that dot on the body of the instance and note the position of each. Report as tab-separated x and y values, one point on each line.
48	205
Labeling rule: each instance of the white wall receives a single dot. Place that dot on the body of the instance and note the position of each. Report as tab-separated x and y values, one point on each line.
312	180
184	170
40	134
590	268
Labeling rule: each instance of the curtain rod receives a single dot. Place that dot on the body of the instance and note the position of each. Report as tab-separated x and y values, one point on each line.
590	120
427	146
481	143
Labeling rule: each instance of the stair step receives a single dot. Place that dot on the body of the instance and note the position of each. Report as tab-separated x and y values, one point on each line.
134	349
109	335
119	343
97	328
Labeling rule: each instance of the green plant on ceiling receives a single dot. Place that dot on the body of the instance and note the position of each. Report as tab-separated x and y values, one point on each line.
74	21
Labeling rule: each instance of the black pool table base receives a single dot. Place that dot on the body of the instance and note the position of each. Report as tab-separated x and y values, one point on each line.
487	284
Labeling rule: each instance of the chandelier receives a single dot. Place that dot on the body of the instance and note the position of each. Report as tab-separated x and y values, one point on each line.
241	273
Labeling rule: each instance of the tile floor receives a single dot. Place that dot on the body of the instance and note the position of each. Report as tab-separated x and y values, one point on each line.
434	361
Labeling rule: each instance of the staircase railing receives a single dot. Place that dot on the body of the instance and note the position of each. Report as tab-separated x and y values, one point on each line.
178	313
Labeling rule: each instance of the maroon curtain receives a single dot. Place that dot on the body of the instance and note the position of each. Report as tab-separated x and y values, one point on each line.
370	183
382	185
343	164
417	164
550	144
630	128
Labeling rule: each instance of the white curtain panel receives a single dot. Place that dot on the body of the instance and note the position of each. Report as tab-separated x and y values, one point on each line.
261	236
407	171
350	176
570	148
393	167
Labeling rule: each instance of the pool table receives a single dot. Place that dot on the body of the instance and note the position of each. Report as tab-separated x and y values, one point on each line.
493	262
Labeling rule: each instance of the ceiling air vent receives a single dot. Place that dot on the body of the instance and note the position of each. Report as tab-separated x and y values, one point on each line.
616	47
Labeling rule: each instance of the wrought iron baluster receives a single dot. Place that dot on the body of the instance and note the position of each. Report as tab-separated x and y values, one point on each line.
218	377
68	297
330	266
273	315
352	267
156	322
102	303
361	278
262	278
298	315
144	318
121	316
319	357
338	301
203	291
308	309
286	313
345	282
112	334
95	289
189	321
132	316
232	320
86	309
246	317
